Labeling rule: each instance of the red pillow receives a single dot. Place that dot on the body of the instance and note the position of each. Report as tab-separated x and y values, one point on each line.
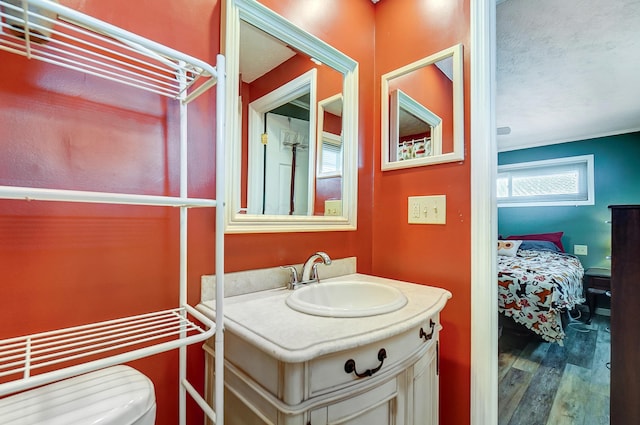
551	237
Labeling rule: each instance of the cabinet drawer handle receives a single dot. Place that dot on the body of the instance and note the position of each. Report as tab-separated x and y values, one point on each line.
350	365
428	336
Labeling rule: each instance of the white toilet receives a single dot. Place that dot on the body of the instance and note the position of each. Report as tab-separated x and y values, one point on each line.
117	395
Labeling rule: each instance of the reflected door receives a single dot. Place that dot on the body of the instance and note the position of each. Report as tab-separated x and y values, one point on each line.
287	170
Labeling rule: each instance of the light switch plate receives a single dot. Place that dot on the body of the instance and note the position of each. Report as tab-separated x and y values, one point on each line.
427	209
333	207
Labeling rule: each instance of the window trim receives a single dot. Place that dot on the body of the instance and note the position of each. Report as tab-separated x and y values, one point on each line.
588	159
332	143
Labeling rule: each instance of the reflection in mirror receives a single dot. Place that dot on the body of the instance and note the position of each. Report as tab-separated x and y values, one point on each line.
281	135
330	162
414	131
330	137
278	178
422	112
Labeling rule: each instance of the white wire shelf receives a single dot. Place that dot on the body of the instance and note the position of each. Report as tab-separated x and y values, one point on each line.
62	195
46	31
142	335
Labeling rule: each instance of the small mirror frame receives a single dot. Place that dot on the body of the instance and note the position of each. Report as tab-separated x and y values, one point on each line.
262	17
458	112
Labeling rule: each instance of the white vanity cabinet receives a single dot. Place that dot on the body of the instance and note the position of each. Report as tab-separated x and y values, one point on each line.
401	389
422	403
284	367
377	406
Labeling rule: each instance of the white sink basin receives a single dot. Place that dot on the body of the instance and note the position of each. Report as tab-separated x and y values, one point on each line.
346	298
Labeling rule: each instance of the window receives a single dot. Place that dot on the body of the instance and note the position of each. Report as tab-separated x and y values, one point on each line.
561	181
330	156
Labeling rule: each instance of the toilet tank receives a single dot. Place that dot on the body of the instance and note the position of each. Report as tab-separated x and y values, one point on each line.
118	395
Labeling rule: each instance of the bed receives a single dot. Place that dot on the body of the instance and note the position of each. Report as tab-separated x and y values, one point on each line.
536	284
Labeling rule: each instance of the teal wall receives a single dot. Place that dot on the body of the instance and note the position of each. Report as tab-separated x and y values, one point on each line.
617	181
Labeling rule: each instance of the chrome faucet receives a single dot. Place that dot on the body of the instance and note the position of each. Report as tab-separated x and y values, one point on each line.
309	270
293	279
310	267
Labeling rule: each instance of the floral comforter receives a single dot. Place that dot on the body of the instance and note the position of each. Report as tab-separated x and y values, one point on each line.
534	286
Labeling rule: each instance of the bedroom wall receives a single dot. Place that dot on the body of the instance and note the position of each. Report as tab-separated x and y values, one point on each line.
616	182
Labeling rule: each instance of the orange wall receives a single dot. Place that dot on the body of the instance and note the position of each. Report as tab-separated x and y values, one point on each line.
408	30
63	265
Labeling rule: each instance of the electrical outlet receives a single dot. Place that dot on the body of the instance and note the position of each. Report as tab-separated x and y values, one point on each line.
333	207
427	209
580	250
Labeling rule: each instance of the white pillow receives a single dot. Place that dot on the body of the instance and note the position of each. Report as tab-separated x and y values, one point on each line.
508	248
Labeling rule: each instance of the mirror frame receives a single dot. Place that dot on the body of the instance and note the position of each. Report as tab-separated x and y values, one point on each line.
458	112
267	20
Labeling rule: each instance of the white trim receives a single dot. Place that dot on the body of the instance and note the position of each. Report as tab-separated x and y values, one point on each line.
484	292
566	140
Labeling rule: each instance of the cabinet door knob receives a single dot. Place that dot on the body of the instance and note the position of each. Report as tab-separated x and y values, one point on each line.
428	336
350	365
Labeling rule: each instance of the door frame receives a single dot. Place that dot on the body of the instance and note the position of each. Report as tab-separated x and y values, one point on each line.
484	227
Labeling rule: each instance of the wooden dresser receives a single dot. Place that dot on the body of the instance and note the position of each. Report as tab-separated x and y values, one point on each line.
625	315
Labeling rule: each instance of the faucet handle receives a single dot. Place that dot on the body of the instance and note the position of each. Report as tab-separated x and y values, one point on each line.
314	272
294	275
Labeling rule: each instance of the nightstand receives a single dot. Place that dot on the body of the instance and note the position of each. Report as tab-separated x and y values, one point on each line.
597	281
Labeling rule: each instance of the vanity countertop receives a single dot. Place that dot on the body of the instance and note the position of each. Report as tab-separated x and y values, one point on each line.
264	319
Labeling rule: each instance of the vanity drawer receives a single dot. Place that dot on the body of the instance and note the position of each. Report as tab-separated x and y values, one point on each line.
350	367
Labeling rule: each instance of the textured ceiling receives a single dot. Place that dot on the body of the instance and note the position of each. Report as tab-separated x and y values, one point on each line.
566	70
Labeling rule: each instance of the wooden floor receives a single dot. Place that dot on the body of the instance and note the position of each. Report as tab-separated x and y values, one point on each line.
543	383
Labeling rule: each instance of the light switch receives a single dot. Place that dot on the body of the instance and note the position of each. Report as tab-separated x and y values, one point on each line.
333	207
427	209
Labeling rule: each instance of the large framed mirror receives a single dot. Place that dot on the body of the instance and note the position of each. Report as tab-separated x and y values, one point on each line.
422	108
292	107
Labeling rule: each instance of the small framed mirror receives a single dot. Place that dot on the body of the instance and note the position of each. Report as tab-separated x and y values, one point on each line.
423	112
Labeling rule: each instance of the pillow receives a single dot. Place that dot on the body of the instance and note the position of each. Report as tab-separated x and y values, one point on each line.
551	237
540	246
508	248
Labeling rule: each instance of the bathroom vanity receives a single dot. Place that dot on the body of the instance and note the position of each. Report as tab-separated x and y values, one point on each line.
283	366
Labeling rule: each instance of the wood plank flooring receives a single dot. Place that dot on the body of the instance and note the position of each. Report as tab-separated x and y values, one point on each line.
541	383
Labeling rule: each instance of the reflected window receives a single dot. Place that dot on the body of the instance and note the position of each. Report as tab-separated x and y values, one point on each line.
330	155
